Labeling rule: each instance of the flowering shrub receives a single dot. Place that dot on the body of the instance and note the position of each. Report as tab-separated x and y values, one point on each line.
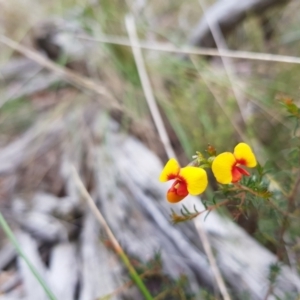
193	180
240	188
269	194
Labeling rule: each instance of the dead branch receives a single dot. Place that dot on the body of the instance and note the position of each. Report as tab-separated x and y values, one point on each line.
227	15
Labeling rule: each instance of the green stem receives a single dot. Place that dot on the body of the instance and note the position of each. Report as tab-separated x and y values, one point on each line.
117	247
135	276
14	241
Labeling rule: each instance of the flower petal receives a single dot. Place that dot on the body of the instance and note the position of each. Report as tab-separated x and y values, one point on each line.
236	174
182	189
222	167
243	171
177	191
195	178
173	197
244	155
170	170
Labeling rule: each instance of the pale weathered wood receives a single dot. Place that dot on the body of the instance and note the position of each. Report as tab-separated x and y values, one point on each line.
126	188
13	295
244	263
7	254
98	276
28	145
18	68
137	222
43	227
227	14
63	273
38	82
10	284
51	205
33	290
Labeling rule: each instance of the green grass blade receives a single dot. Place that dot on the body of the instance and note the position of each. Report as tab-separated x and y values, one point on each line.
14	241
136	277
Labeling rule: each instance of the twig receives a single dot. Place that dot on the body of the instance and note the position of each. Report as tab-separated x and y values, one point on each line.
213	207
64	73
285	221
186	215
293	193
274	205
16	92
269	291
130	24
167	47
117	247
212	260
171	291
158	121
228	66
128	285
108	101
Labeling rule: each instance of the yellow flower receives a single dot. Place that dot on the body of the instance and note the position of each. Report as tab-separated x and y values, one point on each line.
226	166
188	180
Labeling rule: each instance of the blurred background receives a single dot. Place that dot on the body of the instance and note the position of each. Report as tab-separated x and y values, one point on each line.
96	95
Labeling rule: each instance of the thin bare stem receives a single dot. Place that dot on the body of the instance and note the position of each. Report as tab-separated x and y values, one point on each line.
117	247
62	72
270	201
212	260
213	207
167	47
107	99
138	57
293	193
128	284
228	66
171	291
285	222
269	291
130	25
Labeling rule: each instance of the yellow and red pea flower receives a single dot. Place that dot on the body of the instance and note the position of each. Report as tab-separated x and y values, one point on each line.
188	180
227	166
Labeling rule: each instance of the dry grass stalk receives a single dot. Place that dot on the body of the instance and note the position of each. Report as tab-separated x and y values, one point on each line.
130	24
167	47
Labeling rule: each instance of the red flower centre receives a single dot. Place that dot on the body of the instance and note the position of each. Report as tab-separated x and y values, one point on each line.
177	191
179	187
237	173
